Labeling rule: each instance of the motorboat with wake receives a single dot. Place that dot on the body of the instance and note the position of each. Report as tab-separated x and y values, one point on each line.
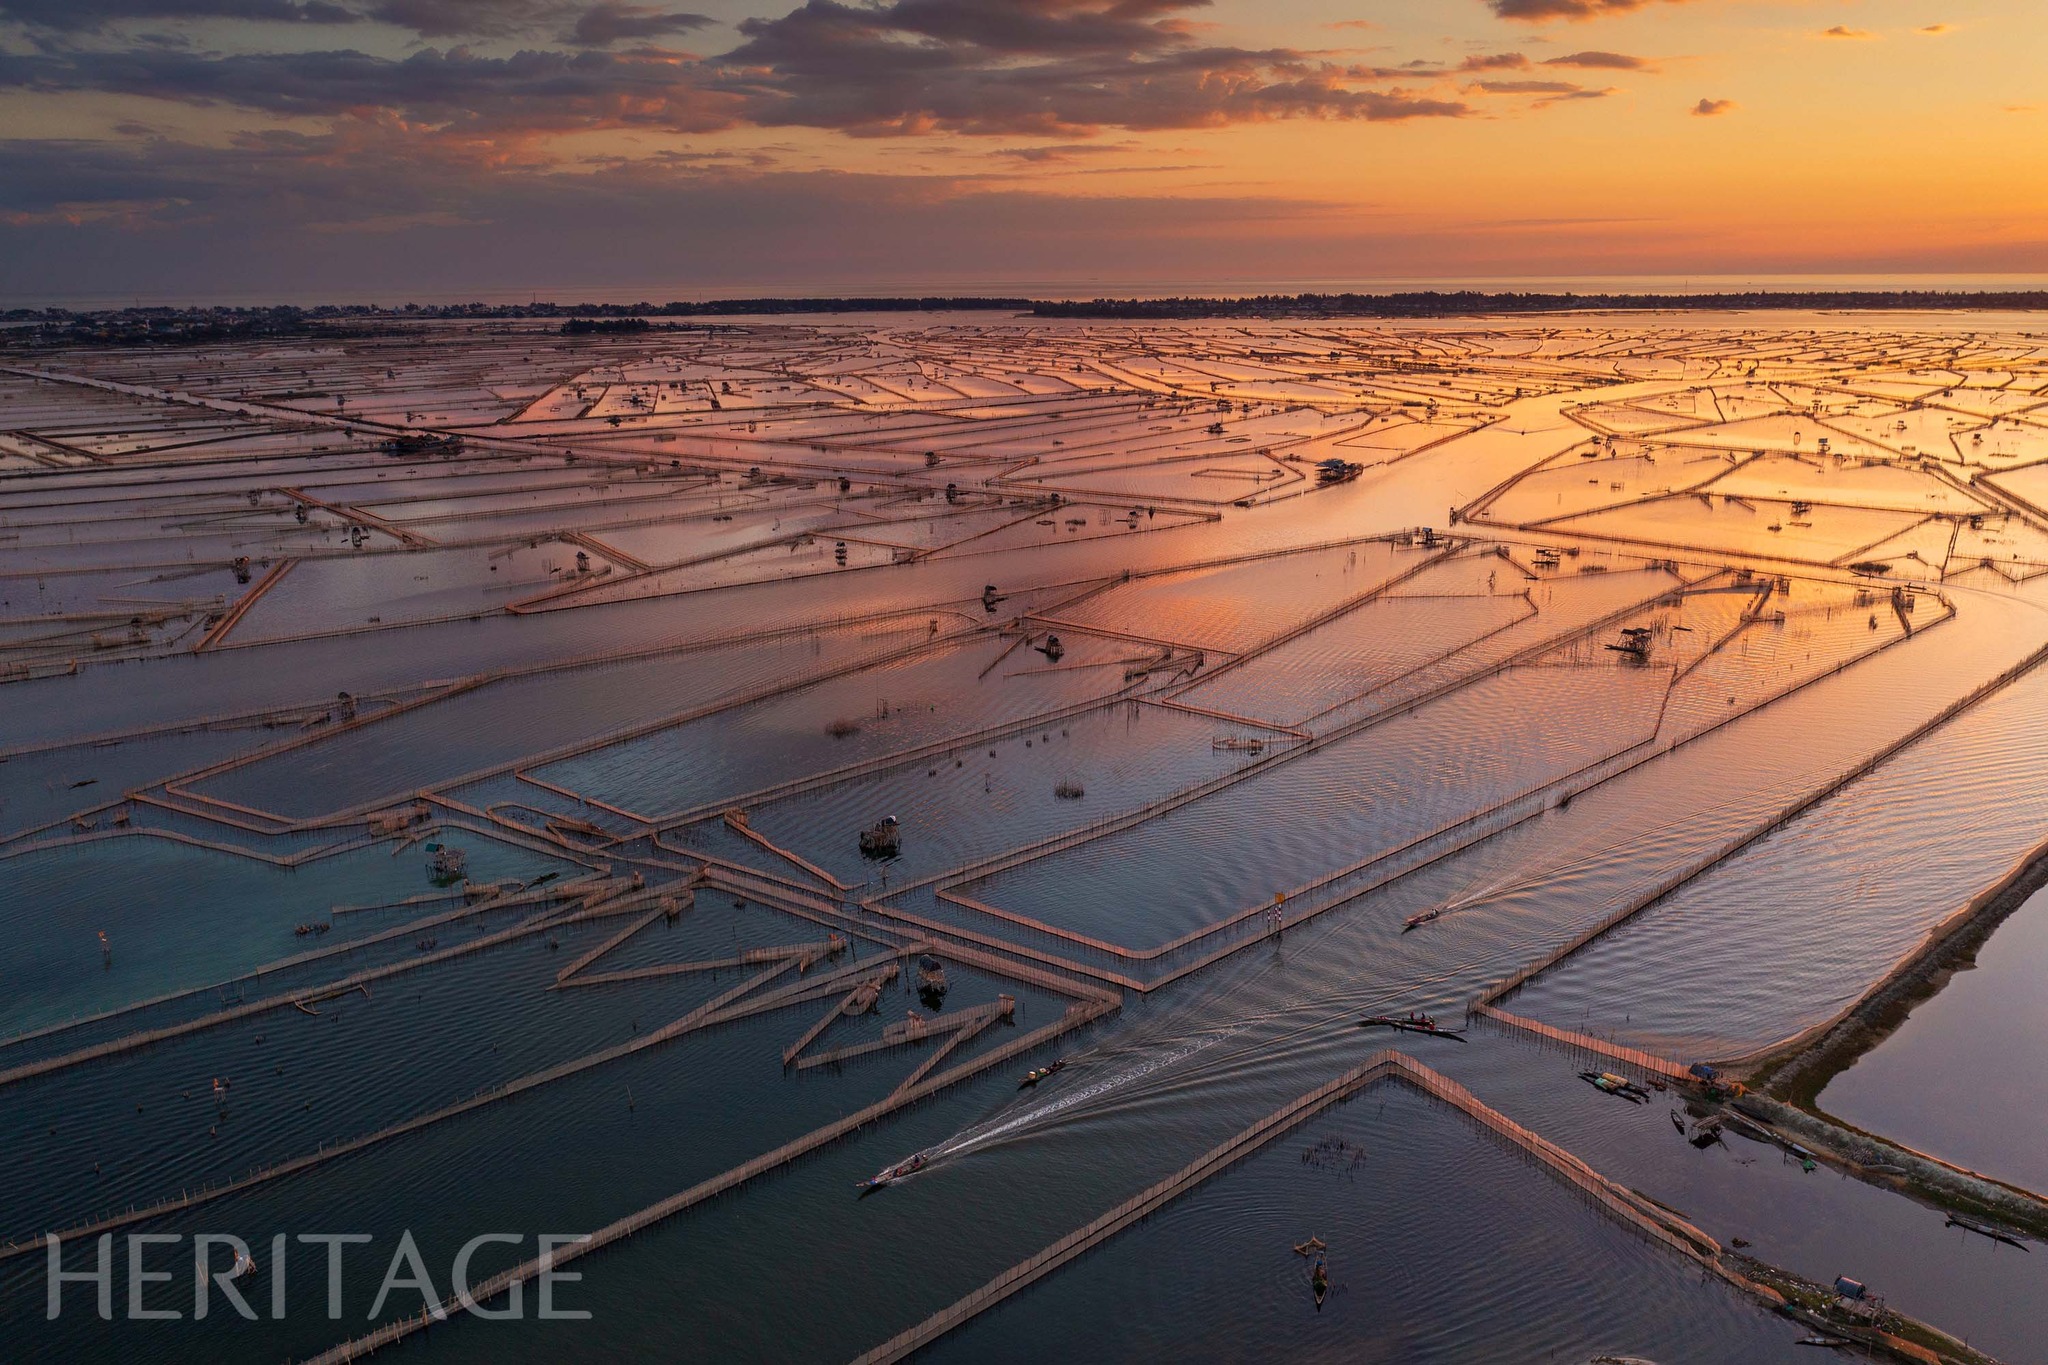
893	1174
1045	1072
1412	1022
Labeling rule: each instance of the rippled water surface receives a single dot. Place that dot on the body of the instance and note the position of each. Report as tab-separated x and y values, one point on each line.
1964	1077
1179	848
1401	1191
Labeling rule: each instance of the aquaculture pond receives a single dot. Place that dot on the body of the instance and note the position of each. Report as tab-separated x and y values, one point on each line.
790	820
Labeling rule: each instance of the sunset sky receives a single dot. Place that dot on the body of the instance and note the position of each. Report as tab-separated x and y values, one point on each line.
385	149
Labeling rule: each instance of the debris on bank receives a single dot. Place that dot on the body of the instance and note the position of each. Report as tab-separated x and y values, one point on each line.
1847	1313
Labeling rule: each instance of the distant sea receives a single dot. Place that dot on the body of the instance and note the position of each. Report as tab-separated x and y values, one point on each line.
1062	289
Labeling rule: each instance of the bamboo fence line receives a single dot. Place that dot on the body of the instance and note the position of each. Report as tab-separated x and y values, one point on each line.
1653	1222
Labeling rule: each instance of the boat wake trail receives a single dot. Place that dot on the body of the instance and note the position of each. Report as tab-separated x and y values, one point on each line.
1009	1126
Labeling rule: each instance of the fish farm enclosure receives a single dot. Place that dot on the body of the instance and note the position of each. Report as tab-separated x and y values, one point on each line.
1007	839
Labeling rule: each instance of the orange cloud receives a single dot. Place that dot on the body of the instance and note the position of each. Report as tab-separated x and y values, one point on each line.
1602	61
1712	108
1541	11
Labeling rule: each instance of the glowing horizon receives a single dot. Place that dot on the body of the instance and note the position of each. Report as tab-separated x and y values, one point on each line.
360	147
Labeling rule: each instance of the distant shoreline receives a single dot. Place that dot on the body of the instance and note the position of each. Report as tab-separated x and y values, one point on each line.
1468	303
192	325
1392	304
